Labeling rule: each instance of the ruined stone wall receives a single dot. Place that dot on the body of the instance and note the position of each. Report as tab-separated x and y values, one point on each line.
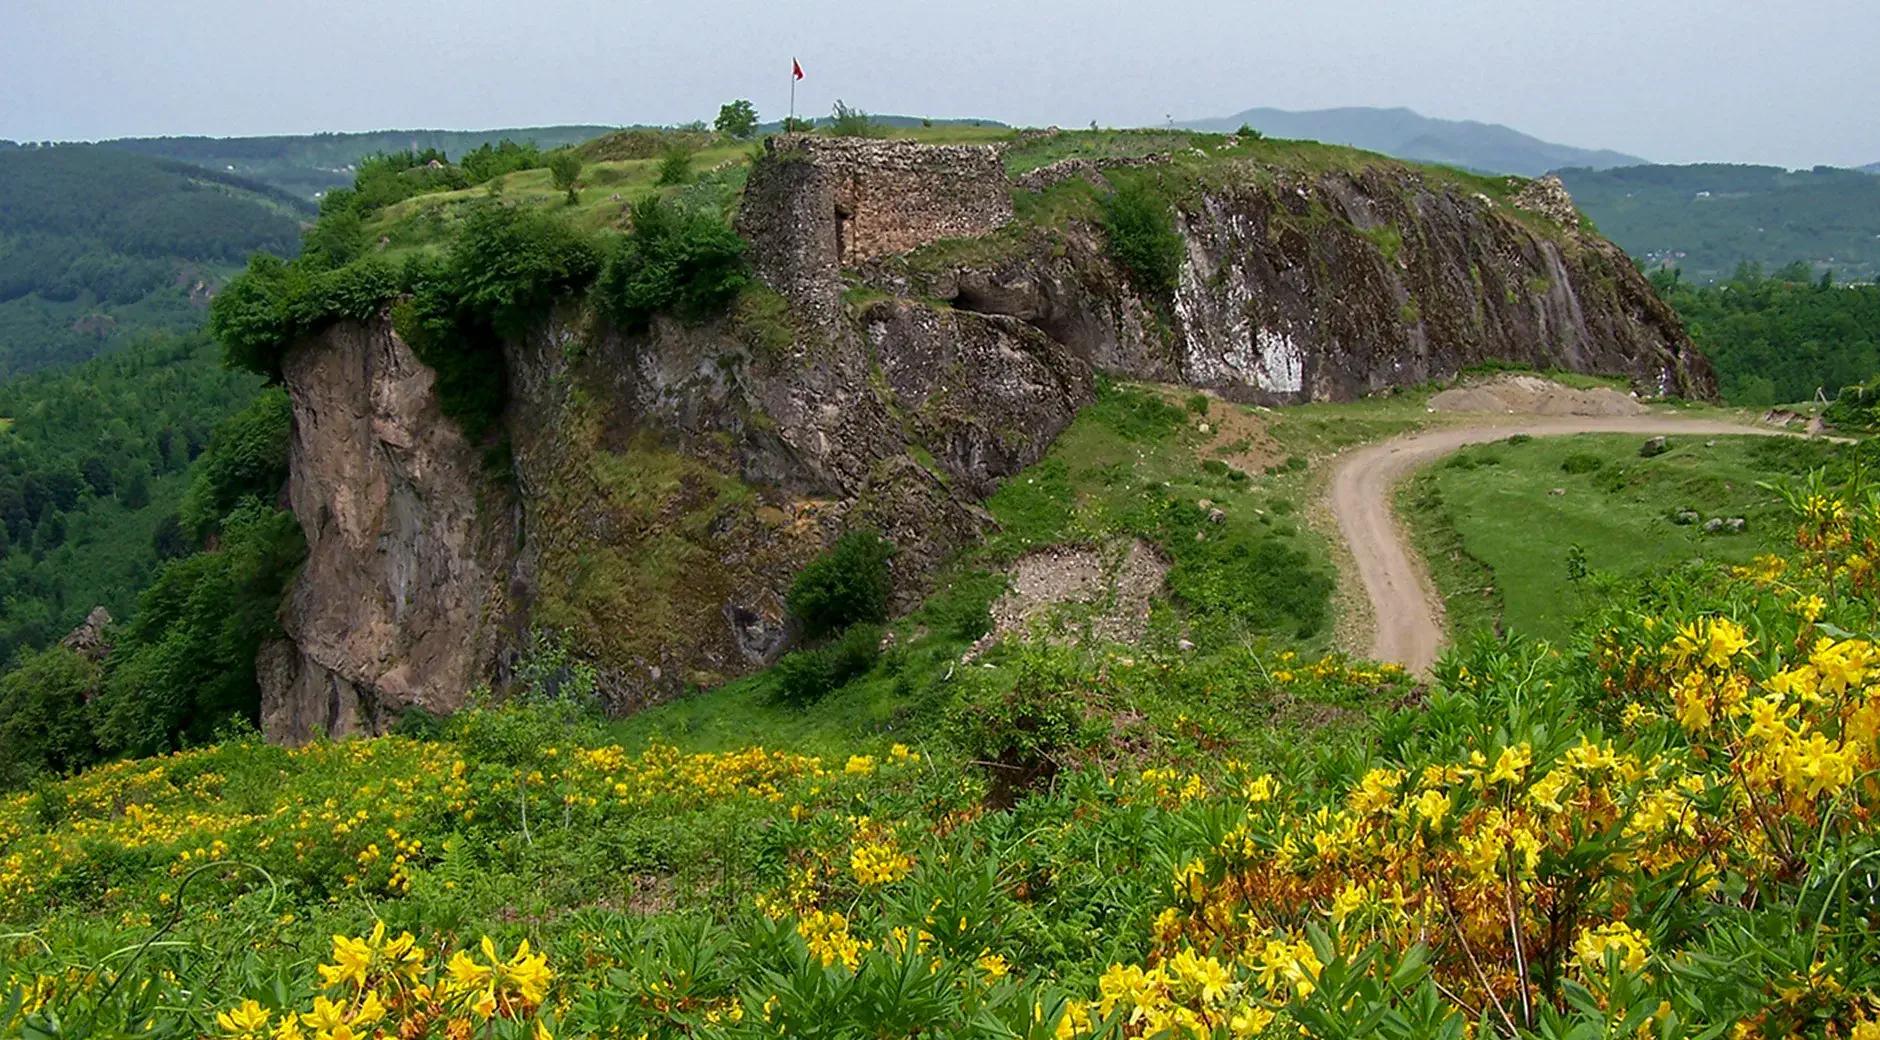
825	203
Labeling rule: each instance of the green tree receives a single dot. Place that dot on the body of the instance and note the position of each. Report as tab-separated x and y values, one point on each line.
44	726
737	119
848	584
678	260
1140	226
564	167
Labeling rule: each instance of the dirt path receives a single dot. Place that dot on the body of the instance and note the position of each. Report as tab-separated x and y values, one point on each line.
1406	612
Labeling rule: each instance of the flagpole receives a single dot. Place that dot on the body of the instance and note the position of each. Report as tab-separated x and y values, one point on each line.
790	124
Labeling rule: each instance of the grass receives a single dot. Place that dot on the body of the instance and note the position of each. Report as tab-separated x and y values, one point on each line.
1132	465
1497	539
608	187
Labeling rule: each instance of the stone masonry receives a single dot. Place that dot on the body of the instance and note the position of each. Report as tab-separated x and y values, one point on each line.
826	203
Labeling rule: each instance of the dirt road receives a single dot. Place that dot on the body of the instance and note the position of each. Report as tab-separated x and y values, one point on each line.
1405	609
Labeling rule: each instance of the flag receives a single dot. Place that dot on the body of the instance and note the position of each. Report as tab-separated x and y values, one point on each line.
796	71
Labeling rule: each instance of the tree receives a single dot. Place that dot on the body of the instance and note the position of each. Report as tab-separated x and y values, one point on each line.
848	584
737	119
43	723
565	168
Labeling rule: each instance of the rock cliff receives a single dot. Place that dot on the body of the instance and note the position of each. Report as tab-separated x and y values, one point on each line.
927	328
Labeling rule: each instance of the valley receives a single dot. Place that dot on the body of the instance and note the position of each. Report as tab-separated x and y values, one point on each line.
922	578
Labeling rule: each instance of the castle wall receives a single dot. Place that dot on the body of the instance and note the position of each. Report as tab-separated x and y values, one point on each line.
826	203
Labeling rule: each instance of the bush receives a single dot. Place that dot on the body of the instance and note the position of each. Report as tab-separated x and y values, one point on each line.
686	262
853	122
564	168
272	304
1025	722
487	162
1140	225
849	583
675	167
1581	462
506	269
44	726
807	676
247	456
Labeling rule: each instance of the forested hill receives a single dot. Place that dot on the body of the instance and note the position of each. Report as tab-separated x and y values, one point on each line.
1707	219
307	165
97	244
94	466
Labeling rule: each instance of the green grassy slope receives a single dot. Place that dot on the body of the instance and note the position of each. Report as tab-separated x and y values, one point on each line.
1498	539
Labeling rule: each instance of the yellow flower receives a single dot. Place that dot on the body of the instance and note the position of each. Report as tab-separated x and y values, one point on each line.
1250	1021
1620	938
1433	806
993	965
1348	901
248	1018
878	863
464	975
1191	880
1511	764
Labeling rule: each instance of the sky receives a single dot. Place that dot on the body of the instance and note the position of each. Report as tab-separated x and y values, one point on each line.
1669	80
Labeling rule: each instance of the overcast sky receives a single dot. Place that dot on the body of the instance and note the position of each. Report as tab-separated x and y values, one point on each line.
1670	80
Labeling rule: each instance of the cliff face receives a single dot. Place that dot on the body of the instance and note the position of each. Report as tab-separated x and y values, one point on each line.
661	489
401	597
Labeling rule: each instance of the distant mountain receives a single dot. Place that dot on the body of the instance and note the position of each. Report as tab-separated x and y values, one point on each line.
1488	147
1871	168
97	245
309	164
1706	219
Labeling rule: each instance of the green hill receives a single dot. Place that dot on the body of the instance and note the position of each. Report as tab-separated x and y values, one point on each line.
94	462
98	245
1708	219
1399	132
308	165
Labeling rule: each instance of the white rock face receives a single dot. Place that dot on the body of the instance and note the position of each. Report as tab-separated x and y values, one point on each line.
1281	367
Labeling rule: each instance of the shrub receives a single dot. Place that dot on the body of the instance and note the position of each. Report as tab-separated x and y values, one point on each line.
849	583
1198	404
687	262
1581	462
260	314
845	121
564	168
509	264
247	456
44	727
1140	226
675	167
807	676
1025	722
487	162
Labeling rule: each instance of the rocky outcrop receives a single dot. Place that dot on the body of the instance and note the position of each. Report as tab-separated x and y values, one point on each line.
1330	286
401	603
915	345
89	640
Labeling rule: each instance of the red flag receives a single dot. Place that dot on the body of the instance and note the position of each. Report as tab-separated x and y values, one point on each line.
796	71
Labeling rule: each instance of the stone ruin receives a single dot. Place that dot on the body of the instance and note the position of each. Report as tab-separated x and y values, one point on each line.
816	205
